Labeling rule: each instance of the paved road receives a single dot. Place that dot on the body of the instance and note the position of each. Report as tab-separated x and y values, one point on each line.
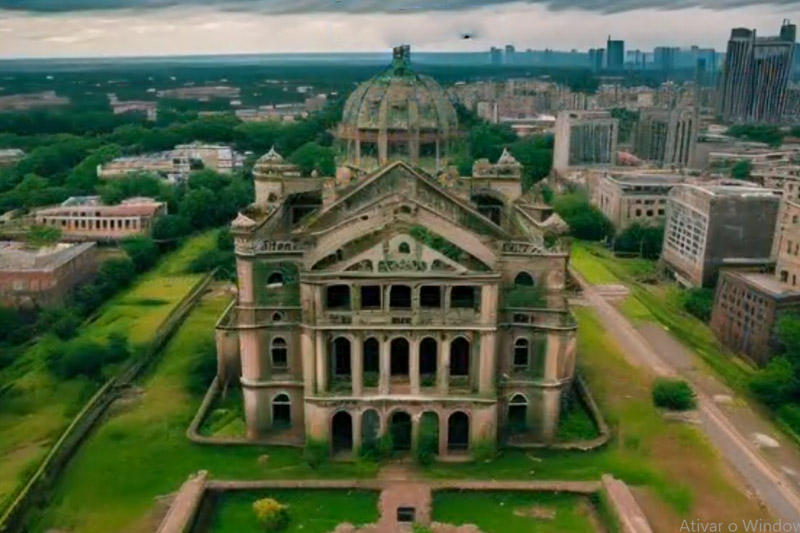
766	475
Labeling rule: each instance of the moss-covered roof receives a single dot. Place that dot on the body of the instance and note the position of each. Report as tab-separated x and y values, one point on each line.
399	99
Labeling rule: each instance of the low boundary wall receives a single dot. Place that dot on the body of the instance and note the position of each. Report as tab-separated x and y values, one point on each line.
183	512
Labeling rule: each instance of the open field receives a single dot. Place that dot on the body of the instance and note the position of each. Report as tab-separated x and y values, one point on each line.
36	407
515	512
659	304
671	463
310	511
141	452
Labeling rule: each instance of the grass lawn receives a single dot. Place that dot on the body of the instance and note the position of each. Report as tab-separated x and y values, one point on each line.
514	512
141	451
310	511
37	407
659	304
673	462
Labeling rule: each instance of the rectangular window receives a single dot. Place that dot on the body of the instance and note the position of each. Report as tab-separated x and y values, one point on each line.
370	297
430	297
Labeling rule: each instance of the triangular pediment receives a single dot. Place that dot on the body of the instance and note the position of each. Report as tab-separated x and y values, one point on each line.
401	253
400	179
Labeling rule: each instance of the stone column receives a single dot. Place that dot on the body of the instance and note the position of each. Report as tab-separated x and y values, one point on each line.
322	363
443	366
487	363
415	433
383	380
442	434
307	351
413	366
357	364
356	432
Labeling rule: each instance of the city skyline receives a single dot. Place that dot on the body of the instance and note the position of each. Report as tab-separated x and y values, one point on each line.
189	28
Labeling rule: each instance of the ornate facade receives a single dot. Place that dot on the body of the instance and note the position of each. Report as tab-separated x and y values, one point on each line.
400	304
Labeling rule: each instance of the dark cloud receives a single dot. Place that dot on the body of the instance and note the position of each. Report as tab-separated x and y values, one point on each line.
375	6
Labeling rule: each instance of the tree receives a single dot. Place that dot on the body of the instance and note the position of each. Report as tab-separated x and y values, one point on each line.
699	302
585	221
114	274
488	140
199	207
170	227
776	384
741	169
771	135
134	184
627	122
83	178
142	251
535	153
312	157
42	236
209	179
645	240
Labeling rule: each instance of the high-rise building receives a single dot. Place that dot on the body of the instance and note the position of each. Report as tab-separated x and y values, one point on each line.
667	137
664	58
509	57
615	56
585	138
756	75
495	56
597	58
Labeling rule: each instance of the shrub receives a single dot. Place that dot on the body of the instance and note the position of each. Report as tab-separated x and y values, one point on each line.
225	261
115	274
169	227
316	452
775	384
202	369
484	451
78	358
272	515
698	302
428	443
142	251
673	394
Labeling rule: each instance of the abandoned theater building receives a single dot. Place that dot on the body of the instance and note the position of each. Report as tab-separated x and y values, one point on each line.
397	296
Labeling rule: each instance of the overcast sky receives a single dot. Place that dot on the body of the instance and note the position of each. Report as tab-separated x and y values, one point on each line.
82	28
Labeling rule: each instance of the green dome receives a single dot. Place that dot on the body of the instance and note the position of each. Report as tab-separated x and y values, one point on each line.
402	113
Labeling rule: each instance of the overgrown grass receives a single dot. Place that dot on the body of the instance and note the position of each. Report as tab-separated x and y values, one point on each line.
141	452
310	511
514	512
35	407
673	461
659	304
576	424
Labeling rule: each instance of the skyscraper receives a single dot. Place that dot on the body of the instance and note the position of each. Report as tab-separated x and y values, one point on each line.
509	58
615	56
496	56
756	75
664	59
597	58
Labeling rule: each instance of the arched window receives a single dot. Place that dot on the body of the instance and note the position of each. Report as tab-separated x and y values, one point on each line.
399	354
372	352
428	354
459	357
281	411
524	279
275	279
280	353
521	353
518	413
341	357
404	248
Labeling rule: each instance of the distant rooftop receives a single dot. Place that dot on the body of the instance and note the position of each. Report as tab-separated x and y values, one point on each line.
18	256
767	283
647	179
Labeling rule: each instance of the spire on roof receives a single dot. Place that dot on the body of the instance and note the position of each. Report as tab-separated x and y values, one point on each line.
507	159
273	156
